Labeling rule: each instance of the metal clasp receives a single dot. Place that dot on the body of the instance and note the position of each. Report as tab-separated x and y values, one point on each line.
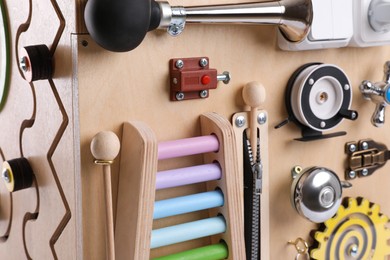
365	156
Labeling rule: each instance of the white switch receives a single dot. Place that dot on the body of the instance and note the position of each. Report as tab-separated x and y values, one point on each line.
342	19
332	20
322	26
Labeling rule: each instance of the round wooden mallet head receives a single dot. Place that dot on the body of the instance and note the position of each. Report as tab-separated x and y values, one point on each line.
253	94
105	147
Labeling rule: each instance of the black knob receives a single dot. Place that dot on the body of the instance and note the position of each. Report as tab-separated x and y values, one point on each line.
121	25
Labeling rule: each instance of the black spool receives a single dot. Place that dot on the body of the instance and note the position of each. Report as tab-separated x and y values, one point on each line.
39	63
19	174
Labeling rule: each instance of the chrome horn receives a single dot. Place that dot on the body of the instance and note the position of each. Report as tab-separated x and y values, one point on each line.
122	25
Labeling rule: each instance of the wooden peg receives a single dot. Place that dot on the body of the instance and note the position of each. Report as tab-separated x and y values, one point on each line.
105	147
254	95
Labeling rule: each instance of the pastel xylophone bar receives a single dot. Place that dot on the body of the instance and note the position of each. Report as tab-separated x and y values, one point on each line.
188	146
188	175
187	204
187	231
211	252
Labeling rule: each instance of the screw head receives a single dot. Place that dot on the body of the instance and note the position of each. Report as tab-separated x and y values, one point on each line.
352	148
322	124
203	93
262	118
174	80
203	62
353	115
353	250
365	172
23	64
364	145
352	174
179	64
295	171
6	176
311	81
240	121
180	96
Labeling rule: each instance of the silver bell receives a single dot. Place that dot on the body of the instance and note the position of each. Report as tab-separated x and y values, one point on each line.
316	193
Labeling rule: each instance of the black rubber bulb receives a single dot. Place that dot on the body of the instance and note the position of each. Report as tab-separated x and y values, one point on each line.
121	25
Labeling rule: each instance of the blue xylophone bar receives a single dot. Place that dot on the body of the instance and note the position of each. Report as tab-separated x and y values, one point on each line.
187	204
187	231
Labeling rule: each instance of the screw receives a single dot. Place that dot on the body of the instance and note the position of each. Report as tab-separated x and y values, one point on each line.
203	93
364	145
311	81
352	148
84	43
353	250
179	96
262	118
295	171
346	87
352	174
179	64
224	77
203	62
353	115
322	124
174	80
6	176
365	172
23	64
240	121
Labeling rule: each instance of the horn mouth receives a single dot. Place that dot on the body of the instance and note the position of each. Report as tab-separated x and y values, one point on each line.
297	19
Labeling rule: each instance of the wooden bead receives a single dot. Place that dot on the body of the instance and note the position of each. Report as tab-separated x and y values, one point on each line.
253	94
105	146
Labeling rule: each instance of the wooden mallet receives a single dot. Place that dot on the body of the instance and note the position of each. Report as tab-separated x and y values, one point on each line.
105	147
254	95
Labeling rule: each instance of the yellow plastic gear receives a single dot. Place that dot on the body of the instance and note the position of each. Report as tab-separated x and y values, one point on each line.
357	231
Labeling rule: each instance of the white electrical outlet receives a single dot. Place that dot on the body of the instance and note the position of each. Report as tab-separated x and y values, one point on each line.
332	26
371	20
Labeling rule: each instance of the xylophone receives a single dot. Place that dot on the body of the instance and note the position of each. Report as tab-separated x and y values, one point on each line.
139	180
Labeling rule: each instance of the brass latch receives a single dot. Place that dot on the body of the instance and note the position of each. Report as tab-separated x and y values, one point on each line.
364	157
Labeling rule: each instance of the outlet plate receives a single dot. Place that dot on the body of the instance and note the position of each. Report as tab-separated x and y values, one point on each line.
364	35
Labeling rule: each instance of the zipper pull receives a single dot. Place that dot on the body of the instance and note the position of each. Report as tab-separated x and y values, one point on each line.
257	170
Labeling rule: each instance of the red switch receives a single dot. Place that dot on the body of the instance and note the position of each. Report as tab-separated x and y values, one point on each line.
205	80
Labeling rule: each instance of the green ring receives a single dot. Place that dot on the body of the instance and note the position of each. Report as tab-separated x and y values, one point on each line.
5	55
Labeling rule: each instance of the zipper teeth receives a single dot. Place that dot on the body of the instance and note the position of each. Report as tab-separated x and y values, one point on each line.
255	248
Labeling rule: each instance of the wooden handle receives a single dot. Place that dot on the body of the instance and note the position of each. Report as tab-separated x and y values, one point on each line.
109	212
254	95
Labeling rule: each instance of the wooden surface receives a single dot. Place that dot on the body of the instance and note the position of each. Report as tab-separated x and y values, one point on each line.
37	123
230	184
136	192
138	89
52	123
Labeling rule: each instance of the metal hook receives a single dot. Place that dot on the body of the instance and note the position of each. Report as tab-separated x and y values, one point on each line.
302	248
297	242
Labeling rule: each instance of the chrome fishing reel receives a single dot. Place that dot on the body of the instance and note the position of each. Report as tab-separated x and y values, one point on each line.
318	98
316	193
